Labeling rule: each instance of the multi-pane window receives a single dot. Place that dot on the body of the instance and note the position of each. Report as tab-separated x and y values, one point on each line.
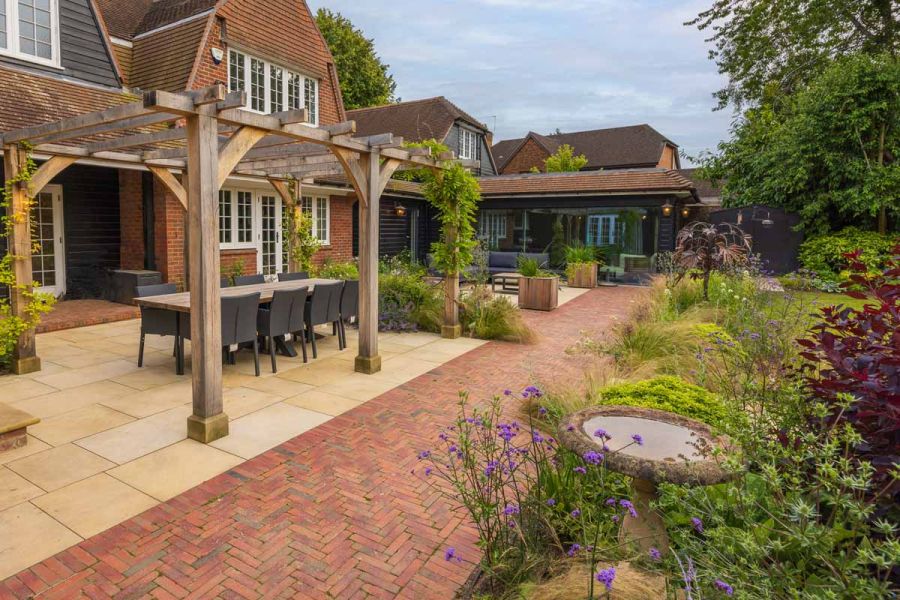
276	88
468	144
493	227
271	88
312	100
602	230
257	85
225	221
237	76
29	29
295	91
244	217
318	210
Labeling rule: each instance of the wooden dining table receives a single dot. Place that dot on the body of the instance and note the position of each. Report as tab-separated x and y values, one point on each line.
180	304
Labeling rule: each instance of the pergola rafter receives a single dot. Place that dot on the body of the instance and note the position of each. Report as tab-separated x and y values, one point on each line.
219	139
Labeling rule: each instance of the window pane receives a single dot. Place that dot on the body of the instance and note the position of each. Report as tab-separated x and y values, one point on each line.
236	74
257	85
245	217
225	216
276	87
312	100
3	42
35	35
306	205
322	219
295	91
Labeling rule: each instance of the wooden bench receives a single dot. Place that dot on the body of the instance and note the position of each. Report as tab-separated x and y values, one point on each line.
13	426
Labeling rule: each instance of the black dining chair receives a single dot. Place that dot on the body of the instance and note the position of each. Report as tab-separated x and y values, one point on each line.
249	280
324	306
238	325
156	321
283	317
349	308
299	276
225	282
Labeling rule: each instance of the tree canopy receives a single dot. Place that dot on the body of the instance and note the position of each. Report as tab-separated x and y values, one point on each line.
768	47
828	152
365	79
564	160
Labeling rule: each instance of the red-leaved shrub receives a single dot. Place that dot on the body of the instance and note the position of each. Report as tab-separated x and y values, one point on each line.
857	352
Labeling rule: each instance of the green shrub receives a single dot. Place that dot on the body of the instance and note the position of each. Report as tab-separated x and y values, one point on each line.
667	393
488	317
824	254
338	270
407	303
530	267
579	253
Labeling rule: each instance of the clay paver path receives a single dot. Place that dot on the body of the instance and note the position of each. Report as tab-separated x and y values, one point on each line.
333	513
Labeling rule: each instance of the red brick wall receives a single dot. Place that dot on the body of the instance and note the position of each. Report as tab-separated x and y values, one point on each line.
341	247
529	155
131	219
207	72
169	218
229	258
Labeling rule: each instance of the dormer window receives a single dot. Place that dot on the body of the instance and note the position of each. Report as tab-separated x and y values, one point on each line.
272	88
468	144
29	29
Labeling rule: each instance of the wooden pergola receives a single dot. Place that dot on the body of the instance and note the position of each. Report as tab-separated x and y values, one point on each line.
206	136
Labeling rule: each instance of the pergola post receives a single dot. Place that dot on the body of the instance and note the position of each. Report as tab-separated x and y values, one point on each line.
24	359
208	422
369	361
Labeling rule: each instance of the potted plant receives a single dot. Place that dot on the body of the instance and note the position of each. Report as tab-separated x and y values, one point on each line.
538	289
581	266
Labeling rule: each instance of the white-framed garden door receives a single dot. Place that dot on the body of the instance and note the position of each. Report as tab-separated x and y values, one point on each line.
48	261
269	254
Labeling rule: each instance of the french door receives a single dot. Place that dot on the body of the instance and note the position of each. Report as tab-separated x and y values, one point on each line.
48	263
270	247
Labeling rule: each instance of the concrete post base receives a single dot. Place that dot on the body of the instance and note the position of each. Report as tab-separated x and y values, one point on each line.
368	365
209	429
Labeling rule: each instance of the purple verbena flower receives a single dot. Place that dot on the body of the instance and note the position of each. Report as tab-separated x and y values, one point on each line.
610	501
511	509
601	433
638	439
570	428
428	471
532	392
450	554
507	392
627	505
580	470
551	502
424	454
542	411
592	458
655	554
573	550
697	524
606	577
575	513
724	587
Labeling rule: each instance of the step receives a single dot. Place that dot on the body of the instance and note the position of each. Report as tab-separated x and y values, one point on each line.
13	426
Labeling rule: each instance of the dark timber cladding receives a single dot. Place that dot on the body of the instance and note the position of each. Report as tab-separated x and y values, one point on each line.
83	52
396	231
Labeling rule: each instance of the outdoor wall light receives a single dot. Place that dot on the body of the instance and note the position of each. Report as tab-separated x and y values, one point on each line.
667	209
685	212
400	210
766	219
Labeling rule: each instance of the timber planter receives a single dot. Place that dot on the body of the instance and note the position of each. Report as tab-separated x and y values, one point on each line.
583	275
539	293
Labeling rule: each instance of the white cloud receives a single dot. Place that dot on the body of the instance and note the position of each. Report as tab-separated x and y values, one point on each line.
546	64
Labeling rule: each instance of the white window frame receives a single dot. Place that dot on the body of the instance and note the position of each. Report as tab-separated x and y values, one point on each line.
234	244
12	35
315	213
468	144
287	77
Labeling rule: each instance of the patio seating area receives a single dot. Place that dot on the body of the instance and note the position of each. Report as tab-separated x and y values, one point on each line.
112	434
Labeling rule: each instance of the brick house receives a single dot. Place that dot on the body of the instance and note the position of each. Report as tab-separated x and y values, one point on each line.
76	56
632	147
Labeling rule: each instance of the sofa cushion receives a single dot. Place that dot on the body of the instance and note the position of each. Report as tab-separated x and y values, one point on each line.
503	260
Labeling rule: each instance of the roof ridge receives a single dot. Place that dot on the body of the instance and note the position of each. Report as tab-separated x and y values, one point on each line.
393	104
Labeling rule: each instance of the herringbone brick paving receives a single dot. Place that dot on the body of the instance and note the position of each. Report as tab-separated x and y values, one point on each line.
333	513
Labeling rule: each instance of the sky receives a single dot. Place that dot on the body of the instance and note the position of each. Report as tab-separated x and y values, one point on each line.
543	65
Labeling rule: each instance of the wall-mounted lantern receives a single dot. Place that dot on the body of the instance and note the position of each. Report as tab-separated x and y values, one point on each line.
667	209
685	212
400	210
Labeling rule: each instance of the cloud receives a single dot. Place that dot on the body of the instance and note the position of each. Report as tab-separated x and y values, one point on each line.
522	65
